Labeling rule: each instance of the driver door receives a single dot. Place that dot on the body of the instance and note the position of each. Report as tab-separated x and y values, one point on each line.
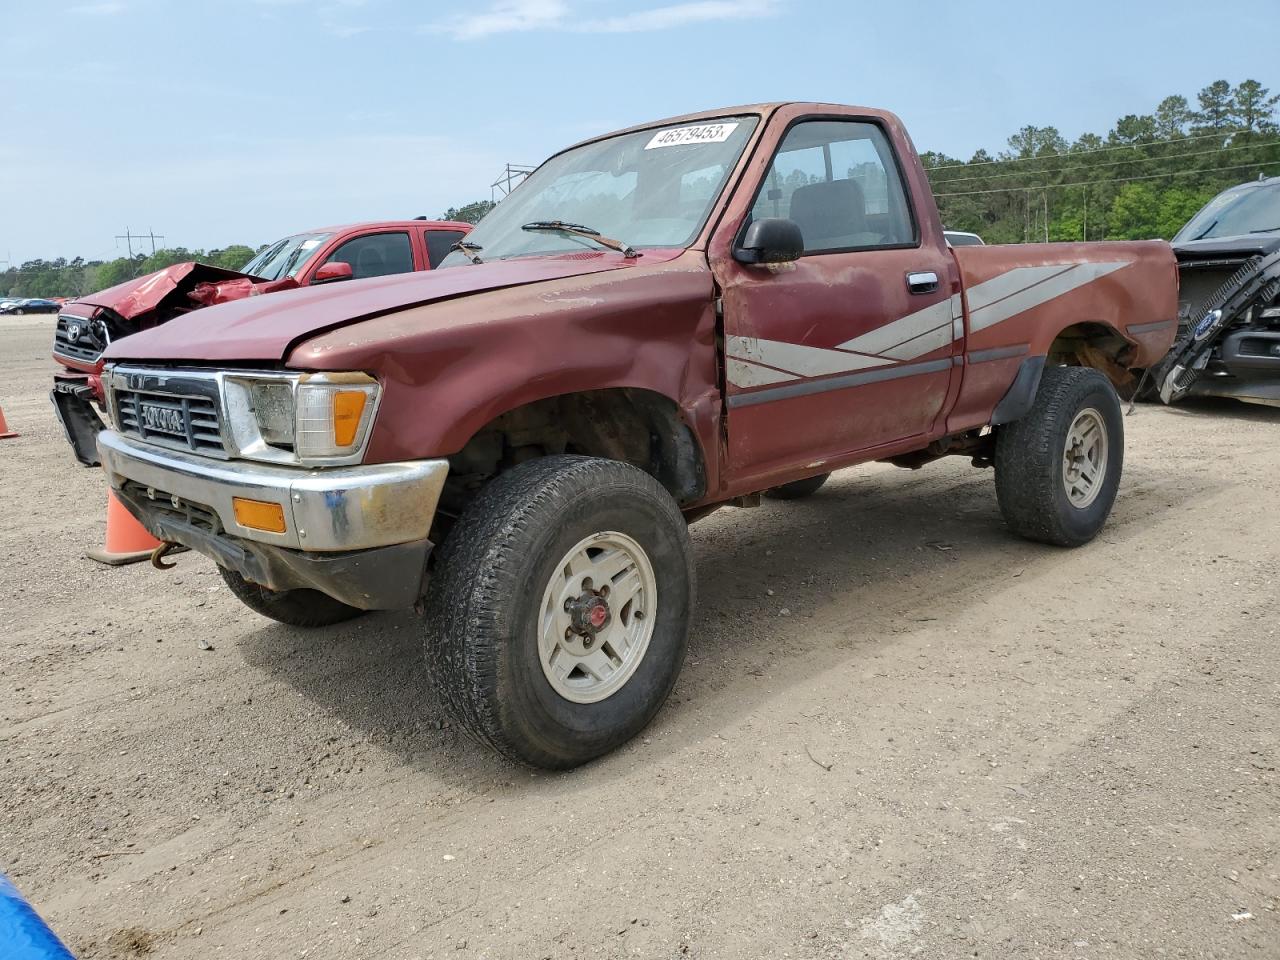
850	347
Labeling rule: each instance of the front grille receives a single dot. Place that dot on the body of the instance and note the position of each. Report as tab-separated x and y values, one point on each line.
185	422
196	514
78	338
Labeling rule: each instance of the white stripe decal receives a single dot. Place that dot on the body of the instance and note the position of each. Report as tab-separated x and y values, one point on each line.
927	342
1023	300
901	330
1010	282
913	336
743	374
799	359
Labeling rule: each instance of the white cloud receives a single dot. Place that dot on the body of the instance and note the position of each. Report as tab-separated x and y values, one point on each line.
516	16
681	14
509	16
109	9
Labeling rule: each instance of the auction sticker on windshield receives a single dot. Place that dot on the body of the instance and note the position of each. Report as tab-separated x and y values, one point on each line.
702	133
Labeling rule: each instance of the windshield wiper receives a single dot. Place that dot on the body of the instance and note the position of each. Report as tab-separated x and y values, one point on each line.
1266	230
469	250
579	230
1205	232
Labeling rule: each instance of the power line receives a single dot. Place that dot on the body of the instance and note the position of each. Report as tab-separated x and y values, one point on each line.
129	237
1109	163
1090	151
1089	183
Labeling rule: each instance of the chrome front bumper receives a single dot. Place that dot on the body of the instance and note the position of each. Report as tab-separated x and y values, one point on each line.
326	509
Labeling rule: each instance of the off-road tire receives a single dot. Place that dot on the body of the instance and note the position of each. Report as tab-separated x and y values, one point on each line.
1029	459
297	608
798	489
483	609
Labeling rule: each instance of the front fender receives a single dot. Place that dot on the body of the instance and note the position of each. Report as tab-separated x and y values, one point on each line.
449	368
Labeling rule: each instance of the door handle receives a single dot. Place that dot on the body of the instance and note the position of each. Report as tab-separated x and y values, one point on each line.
922	282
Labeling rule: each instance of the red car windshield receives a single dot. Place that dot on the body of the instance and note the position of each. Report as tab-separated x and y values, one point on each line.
284	258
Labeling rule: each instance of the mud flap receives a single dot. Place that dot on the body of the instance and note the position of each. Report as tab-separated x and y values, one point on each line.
1021	393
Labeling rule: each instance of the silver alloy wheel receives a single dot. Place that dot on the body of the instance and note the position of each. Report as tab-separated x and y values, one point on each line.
598	614
1084	458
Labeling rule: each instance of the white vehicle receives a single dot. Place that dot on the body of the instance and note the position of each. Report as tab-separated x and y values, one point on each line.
959	238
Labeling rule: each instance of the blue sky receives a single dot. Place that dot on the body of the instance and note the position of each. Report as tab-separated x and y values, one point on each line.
243	120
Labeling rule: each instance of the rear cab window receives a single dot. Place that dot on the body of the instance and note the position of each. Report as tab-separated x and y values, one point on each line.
439	243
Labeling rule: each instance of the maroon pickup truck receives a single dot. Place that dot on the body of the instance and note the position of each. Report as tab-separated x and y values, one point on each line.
329	254
659	322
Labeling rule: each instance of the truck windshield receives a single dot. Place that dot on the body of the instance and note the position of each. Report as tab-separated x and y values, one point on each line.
654	188
284	258
1236	212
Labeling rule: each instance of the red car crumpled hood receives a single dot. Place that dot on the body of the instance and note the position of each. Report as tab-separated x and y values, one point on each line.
265	328
141	295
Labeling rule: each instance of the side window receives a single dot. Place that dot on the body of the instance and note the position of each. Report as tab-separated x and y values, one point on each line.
837	179
438	244
376	255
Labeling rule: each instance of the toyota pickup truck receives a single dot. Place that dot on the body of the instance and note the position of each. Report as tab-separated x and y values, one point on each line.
323	256
659	322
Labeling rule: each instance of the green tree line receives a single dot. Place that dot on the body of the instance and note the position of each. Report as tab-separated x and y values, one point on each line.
75	278
1144	179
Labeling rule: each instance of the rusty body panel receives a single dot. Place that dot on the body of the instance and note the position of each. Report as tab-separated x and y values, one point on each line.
599	324
1133	294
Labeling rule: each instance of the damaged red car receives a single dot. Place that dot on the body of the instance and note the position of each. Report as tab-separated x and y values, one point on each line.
327	255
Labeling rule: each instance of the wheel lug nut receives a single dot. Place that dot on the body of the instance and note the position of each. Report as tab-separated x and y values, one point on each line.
588	641
604	591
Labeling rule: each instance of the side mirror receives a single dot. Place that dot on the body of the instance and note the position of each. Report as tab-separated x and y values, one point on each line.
329	272
770	240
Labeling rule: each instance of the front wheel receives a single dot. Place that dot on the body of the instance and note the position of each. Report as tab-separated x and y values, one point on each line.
558	613
297	608
1058	468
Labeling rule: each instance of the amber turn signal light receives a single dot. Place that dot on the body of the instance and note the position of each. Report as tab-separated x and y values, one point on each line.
348	407
259	515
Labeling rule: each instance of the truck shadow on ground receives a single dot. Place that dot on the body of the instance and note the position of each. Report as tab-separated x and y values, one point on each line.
908	545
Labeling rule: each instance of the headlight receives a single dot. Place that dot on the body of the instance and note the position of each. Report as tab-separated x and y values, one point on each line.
310	419
331	418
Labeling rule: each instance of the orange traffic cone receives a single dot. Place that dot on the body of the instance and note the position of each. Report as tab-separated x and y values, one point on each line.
5	432
127	539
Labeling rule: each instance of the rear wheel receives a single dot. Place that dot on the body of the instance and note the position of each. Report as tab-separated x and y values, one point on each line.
297	608
798	489
558	613
1058	468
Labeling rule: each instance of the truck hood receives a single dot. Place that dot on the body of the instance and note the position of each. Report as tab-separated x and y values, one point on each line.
144	294
1227	248
264	329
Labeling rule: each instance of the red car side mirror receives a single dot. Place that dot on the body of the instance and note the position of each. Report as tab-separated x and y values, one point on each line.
329	272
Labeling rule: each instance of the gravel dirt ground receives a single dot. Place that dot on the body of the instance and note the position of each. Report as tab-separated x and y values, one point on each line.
900	732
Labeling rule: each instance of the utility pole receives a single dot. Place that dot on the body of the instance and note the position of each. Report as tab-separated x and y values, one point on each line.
508	179
128	237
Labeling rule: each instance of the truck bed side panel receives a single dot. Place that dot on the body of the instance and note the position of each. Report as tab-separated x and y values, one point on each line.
1018	298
